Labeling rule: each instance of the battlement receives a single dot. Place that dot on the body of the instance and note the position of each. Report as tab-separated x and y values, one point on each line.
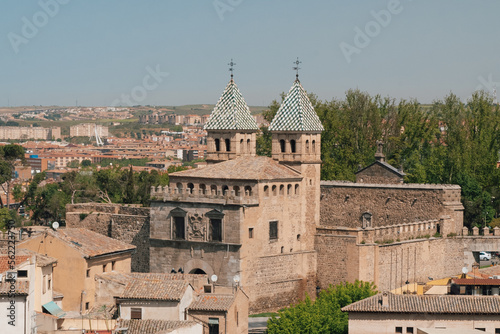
246	197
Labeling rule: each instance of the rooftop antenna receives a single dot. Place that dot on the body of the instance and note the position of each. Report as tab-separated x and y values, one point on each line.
297	68
231	69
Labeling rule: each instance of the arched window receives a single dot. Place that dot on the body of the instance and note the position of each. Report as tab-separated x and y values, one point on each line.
217	145
179	187
190	187
266	191
203	189
296	189
282	145
307	146
242	146
248	191
236	190
289	190
274	191
314	146
228	145
367	219
282	190
248	146
213	189
292	146
225	189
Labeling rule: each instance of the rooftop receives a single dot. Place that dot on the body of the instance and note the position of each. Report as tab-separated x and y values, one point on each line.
296	113
152	326
154	287
212	302
88	243
22	288
434	304
4	261
243	168
231	112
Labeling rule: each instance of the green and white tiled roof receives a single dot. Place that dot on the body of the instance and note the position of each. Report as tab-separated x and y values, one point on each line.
296	113
231	112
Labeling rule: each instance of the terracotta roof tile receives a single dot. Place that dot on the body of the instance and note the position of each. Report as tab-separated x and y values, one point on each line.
152	326
154	288
4	261
243	168
89	243
477	281
22	288
437	304
212	302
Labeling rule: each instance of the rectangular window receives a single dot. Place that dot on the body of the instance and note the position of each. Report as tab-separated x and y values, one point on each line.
250	233
113	265
497	330
22	273
409	329
213	325
44	287
215	229
49	284
179	228
104	268
136	313
88	273
87	305
399	330
273	230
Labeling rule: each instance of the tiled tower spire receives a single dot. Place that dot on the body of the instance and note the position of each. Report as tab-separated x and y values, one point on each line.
231	129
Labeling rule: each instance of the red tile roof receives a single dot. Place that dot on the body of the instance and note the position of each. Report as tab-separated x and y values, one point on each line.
477	281
22	288
212	302
434	304
4	261
152	326
154	287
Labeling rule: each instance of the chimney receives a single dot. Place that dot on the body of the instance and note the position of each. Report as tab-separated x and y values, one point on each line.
385	299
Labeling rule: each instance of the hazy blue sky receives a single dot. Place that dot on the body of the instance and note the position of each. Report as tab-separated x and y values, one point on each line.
103	52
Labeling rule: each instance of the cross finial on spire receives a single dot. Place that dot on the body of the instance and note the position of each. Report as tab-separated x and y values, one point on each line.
296	67
231	64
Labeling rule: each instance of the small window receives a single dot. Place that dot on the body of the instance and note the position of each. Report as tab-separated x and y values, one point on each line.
88	273
274	191
228	145
497	330
481	329
136	313
314	146
250	233
236	191
292	146
273	230
282	249
282	190
190	187
104	266
248	146
296	189
49	284
409	330
242	146
307	146
282	145
179	228
248	191
217	145
266	191
113	265
22	273
213	325
225	190
399	330
289	190
215	229
87	306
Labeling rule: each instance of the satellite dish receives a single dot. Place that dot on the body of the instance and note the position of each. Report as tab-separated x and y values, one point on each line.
236	278
465	270
55	225
214	278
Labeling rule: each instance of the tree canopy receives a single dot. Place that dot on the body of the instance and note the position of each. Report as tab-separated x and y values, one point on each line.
323	315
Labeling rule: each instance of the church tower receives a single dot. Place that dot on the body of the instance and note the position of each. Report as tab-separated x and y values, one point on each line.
231	129
296	142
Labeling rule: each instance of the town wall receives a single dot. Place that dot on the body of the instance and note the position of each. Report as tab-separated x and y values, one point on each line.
344	203
130	224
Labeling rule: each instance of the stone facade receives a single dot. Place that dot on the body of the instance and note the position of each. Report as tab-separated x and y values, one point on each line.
129	224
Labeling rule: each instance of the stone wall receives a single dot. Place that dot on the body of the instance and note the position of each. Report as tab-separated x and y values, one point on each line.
377	173
344	203
129	224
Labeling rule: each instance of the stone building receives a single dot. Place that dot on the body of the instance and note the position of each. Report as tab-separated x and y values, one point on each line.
246	218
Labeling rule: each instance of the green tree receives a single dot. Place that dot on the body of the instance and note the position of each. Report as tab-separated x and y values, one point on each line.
9	154
323	315
86	163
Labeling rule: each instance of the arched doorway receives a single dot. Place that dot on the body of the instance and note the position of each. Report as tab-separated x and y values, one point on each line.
198	271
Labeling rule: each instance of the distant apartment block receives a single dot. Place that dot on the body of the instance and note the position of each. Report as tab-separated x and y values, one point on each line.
173	119
15	132
88	130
